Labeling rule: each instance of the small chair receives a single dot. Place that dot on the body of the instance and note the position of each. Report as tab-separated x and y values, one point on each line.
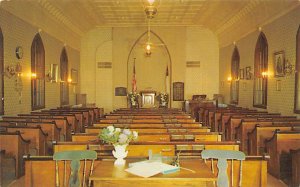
222	156
75	157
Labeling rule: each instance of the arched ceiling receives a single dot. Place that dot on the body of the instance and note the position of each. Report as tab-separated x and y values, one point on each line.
222	17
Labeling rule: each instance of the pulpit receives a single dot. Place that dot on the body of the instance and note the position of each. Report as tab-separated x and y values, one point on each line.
148	98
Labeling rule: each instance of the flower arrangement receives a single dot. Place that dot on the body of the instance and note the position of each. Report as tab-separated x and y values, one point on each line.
163	99
117	136
133	96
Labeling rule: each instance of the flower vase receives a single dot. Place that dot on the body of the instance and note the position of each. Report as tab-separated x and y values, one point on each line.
120	153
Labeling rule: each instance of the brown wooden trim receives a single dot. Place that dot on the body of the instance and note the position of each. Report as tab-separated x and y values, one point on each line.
297	110
261	46
235	74
37	48
2	71
64	74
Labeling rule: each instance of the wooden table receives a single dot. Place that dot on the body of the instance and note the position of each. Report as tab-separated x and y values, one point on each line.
106	174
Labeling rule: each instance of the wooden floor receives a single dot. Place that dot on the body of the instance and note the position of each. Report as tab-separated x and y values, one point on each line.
272	182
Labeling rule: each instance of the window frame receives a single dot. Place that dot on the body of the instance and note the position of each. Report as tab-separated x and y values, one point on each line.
64	75
235	58
2	72
297	73
261	65
38	56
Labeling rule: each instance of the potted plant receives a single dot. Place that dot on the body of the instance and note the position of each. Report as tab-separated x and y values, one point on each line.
163	99
133	99
119	138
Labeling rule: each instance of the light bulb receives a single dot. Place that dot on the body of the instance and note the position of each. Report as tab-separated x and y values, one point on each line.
151	2
148	47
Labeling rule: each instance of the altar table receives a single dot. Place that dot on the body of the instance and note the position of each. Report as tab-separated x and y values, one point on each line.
106	174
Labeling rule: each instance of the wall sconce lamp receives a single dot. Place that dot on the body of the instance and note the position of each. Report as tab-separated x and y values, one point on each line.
265	74
33	75
11	70
53	73
69	80
289	68
229	79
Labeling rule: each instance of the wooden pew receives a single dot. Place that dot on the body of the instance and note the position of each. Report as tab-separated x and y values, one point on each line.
235	121
210	115
226	118
148	124
16	146
7	169
247	126
141	148
61	122
149	120
156	130
217	116
254	171
88	114
295	154
37	137
281	141
257	137
159	137
50	128
73	118
146	116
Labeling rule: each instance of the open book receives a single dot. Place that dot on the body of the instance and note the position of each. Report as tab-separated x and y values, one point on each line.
148	169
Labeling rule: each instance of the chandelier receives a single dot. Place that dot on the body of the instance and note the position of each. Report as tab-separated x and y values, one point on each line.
150	8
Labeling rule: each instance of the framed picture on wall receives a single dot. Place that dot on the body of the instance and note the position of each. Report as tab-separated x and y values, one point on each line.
120	91
279	64
74	76
242	74
248	74
178	91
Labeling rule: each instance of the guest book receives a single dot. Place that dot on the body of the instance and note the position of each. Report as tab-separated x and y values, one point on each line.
148	168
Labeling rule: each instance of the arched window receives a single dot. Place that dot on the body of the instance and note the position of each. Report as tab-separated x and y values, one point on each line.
64	87
260	72
38	73
234	87
1	74
297	75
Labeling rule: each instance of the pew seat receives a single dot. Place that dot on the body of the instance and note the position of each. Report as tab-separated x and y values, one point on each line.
15	146
280	142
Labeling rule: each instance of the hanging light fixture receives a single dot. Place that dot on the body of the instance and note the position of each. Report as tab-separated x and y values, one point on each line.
148	43
150	10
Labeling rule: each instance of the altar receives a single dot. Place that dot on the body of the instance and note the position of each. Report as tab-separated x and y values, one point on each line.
148	98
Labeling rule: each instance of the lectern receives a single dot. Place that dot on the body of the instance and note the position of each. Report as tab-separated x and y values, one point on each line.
148	98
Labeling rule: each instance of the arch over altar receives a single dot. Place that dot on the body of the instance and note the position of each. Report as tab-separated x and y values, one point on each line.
154	71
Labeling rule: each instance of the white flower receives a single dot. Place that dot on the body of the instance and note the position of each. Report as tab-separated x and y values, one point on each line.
135	134
123	138
118	130
126	131
111	128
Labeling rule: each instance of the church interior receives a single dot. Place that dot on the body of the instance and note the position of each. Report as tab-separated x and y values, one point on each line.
89	88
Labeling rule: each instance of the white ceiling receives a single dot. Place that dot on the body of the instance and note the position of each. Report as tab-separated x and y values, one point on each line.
220	16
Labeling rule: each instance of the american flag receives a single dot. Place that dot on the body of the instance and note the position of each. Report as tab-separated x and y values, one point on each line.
167	87
134	88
